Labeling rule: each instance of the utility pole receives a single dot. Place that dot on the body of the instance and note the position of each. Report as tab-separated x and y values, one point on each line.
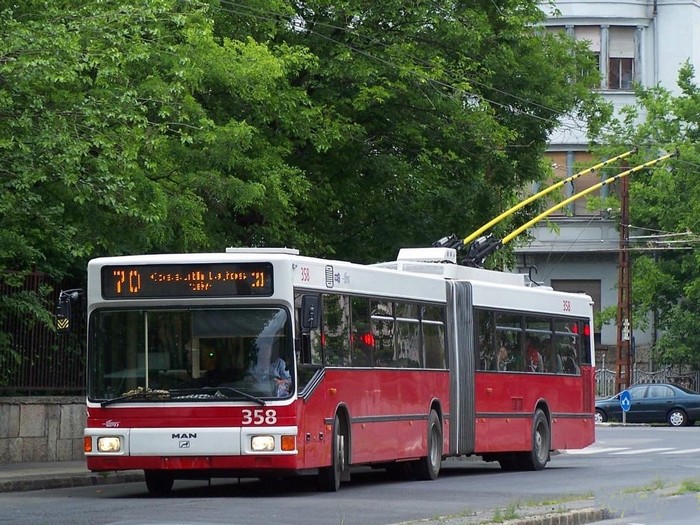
623	376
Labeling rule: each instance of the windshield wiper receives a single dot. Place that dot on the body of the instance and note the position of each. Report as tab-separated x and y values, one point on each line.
217	391
138	393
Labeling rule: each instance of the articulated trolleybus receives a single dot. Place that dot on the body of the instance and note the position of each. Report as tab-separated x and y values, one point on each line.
261	362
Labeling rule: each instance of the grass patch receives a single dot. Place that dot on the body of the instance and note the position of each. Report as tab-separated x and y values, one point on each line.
687	487
657	484
509	513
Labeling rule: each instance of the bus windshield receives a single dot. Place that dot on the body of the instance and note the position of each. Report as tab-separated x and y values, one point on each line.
193	354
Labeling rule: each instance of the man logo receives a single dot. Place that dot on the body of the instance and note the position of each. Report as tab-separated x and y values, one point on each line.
185	435
184	444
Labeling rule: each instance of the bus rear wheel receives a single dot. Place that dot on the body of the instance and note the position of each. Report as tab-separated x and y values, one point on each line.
538	456
329	478
158	483
428	467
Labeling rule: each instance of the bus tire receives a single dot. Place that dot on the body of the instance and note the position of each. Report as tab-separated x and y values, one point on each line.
538	456
428	467
158	483
329	477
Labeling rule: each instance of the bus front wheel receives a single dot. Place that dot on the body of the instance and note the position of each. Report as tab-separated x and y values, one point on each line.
329	478
428	467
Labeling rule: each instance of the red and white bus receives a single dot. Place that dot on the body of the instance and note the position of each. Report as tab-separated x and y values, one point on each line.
262	362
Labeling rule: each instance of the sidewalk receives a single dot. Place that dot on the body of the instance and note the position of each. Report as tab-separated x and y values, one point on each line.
18	477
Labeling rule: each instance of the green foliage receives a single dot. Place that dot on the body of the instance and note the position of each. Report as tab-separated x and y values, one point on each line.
665	202
348	128
444	109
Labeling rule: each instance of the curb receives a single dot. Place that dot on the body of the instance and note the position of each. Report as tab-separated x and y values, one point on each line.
576	514
38	482
572	517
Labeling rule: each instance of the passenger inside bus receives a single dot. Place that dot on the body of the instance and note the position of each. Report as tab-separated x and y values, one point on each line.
569	359
267	369
502	359
534	357
552	359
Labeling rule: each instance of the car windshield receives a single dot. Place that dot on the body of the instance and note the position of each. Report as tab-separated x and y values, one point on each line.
190	355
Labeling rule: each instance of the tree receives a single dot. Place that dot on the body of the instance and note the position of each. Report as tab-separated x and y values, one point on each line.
665	201
131	127
444	110
346	128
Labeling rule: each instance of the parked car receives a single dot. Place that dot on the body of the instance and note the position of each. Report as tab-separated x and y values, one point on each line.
653	403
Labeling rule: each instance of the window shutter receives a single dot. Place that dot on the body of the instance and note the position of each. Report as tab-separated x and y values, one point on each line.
621	43
590	33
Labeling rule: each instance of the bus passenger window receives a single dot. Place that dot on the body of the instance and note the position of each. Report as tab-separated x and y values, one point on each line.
383	330
408	346
433	326
362	336
485	347
509	334
566	347
336	330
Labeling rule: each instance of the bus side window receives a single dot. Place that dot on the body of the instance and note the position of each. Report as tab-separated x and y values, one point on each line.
307	313
433	327
362	336
485	347
336	330
509	335
566	347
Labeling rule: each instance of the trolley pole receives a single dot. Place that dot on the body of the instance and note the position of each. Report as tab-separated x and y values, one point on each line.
623	376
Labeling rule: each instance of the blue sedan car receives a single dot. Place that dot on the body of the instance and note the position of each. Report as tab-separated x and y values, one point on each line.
653	403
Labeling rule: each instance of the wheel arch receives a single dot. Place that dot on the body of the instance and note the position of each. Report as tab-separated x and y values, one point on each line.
436	405
343	413
544	407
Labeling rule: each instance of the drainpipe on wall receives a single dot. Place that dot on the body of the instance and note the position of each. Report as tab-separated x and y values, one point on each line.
655	25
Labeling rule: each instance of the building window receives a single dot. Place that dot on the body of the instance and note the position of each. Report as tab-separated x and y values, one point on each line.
590	34
621	58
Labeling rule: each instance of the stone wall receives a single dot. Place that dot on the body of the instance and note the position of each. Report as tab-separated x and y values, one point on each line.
41	429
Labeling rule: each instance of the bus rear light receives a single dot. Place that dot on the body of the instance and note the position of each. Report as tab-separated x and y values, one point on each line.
289	443
109	444
87	444
262	443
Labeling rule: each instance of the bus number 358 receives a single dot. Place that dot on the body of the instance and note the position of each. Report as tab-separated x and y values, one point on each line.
259	416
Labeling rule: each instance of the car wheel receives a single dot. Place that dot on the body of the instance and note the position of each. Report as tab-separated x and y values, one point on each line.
677	418
600	416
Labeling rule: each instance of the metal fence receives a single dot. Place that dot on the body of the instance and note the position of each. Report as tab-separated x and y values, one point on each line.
605	379
37	360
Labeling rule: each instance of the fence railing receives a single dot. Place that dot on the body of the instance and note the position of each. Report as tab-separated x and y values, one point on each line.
605	379
36	360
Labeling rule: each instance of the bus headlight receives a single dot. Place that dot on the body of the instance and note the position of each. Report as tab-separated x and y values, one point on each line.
109	444
262	443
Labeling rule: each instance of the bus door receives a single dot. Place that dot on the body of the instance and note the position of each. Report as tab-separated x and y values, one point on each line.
460	335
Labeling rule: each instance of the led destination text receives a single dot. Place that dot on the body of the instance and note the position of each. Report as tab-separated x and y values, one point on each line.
186	280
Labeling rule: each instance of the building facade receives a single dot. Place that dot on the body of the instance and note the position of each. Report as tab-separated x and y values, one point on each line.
643	41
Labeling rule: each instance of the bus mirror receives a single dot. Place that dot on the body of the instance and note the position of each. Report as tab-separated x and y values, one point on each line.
309	312
63	310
